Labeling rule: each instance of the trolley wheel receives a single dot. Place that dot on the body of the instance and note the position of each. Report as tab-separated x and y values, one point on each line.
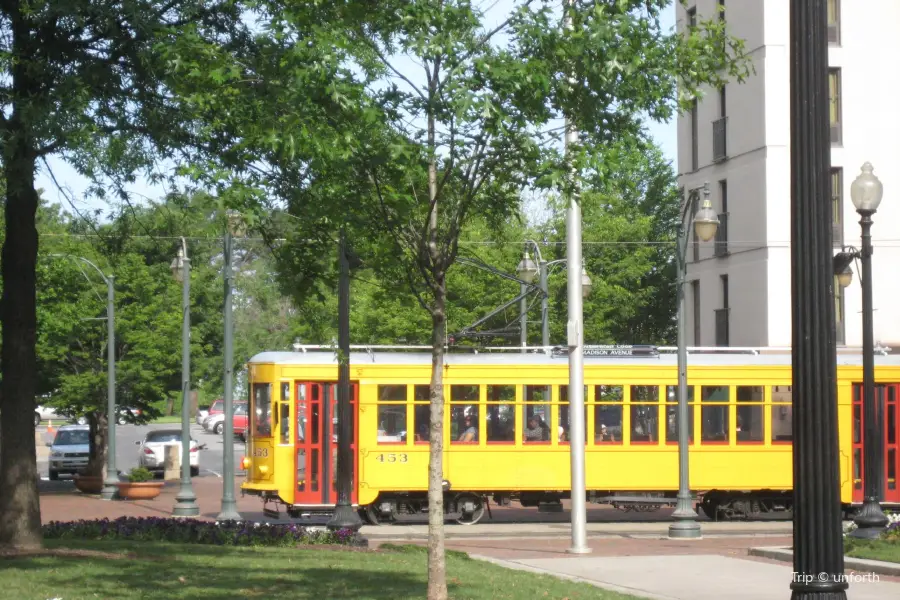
710	509
374	518
476	515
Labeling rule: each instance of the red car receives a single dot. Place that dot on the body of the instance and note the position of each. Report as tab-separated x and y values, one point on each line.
240	421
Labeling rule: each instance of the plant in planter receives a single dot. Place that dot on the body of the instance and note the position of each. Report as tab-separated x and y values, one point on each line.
88	484
140	485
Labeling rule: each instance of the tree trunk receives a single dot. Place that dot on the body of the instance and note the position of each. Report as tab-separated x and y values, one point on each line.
437	567
97	450
437	570
20	511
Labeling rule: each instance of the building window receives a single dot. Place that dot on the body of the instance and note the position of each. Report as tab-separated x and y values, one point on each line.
720	130
839	334
695	154
695	296
692	17
721	247
722	315
834	104
721	10
834	22
837	207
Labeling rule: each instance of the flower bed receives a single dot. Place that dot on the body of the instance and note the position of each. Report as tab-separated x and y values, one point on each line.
891	532
193	531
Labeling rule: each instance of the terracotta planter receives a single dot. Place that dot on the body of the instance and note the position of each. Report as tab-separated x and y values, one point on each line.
143	490
89	484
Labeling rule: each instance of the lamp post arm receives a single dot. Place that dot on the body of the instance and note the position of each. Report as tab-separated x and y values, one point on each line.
537	250
84	260
477	263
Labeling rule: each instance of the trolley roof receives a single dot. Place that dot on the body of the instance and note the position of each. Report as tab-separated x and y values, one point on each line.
595	355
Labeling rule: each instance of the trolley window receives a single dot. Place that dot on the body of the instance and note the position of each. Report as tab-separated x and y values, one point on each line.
285	413
536	414
644	414
749	426
715	418
608	414
782	414
262	413
391	414
464	414
500	421
422	413
564	426
672	414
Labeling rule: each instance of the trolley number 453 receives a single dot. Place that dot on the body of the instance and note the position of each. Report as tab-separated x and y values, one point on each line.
392	458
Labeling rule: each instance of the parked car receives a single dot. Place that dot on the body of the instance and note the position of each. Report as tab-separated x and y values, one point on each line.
240	421
44	413
216	408
202	413
152	449
124	415
69	450
215	423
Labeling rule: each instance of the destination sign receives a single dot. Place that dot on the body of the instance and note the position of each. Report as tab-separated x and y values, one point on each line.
612	351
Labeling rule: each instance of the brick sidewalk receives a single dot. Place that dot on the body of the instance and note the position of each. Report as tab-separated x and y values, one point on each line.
60	501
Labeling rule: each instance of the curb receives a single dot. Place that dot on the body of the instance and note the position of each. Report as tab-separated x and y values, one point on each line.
857	564
509	564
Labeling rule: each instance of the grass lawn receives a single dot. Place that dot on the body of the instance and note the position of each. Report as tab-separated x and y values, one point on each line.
172	419
169	571
886	550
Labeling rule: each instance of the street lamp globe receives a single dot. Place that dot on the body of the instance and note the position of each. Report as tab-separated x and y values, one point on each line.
526	269
845	277
706	222
866	190
177	266
586	283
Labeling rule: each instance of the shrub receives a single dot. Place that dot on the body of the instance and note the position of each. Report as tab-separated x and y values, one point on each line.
139	475
194	531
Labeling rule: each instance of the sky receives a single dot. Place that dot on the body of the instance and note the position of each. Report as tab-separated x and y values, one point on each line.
73	185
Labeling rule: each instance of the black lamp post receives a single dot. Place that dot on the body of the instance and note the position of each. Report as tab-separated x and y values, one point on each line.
866	192
818	543
344	516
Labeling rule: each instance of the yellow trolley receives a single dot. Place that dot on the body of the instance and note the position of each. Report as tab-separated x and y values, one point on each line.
506	424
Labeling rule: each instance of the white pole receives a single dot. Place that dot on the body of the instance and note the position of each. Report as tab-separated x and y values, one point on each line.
576	353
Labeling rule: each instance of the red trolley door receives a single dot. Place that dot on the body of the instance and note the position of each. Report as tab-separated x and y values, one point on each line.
316	412
887	402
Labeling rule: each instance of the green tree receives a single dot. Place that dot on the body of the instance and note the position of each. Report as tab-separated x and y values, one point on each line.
84	80
630	217
472	108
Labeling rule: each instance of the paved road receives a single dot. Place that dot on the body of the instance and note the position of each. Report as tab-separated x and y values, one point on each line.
211	457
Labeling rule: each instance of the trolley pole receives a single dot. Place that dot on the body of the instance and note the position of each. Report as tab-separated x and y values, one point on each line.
576	348
818	542
112	475
229	505
344	516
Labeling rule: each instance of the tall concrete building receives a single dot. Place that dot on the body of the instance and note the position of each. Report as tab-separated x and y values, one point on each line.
738	140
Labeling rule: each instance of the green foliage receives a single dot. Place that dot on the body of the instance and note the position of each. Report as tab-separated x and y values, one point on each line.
152	570
139	475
